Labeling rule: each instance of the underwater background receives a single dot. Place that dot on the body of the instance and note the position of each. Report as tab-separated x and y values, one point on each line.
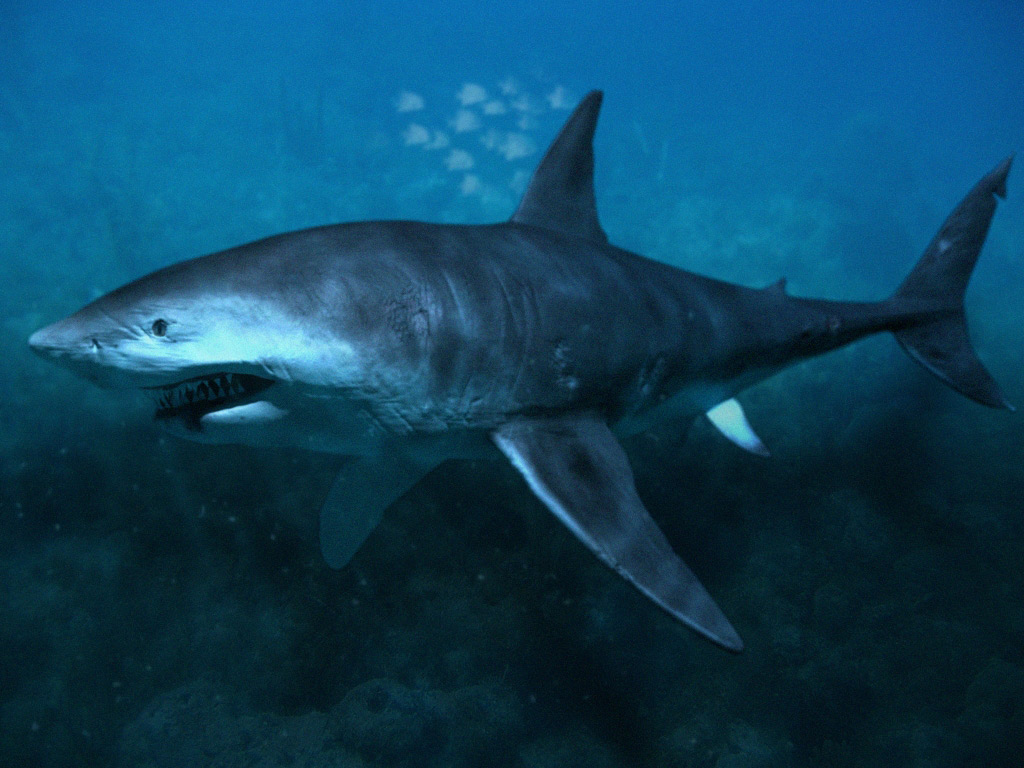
164	603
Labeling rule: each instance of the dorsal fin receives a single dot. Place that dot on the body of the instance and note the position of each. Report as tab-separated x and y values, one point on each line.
561	193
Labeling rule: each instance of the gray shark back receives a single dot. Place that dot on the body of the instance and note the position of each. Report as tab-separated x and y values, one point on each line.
470	326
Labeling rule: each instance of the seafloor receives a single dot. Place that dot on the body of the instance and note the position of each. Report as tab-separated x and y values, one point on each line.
164	603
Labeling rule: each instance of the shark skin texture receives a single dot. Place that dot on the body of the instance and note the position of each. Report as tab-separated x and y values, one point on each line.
403	344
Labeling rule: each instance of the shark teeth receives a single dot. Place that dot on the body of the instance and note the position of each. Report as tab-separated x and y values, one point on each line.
193	398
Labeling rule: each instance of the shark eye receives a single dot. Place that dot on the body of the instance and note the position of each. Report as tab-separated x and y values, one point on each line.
159	327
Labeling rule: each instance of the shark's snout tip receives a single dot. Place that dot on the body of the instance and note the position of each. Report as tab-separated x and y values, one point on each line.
47	342
38	342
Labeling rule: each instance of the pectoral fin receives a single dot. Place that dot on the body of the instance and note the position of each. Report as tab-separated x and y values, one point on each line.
363	489
578	469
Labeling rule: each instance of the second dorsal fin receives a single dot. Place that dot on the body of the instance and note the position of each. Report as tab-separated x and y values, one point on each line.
561	193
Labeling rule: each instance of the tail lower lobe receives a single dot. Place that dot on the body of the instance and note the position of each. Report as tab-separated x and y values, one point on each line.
939	280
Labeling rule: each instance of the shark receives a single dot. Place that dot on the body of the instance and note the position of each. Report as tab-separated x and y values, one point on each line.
402	344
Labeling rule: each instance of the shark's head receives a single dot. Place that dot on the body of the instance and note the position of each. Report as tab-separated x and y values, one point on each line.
201	338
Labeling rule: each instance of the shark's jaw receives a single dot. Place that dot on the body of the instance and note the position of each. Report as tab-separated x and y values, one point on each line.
191	399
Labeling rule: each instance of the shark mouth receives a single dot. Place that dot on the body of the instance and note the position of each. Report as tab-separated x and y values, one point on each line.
192	399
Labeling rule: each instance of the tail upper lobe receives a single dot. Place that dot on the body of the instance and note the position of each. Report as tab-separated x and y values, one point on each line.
939	341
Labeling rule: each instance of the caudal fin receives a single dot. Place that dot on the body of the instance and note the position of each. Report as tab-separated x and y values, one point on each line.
940	280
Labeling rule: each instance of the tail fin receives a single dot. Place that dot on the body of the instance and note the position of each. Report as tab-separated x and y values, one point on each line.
940	277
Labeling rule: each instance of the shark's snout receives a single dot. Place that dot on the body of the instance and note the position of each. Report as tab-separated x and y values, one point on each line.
52	342
68	344
76	338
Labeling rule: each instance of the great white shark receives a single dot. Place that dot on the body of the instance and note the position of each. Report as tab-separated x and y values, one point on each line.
402	344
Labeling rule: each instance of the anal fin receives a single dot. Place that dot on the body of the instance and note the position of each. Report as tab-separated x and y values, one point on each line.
729	419
579	471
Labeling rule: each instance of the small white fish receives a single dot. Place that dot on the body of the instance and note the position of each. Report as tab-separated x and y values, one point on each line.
490	139
440	141
415	135
465	120
559	98
408	101
508	87
471	184
458	160
515	146
470	94
524	104
526	123
519	181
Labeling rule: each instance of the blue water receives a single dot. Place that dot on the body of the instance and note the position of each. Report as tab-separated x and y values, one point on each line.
164	603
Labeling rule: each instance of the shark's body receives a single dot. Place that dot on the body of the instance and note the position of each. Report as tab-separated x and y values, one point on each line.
402	344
